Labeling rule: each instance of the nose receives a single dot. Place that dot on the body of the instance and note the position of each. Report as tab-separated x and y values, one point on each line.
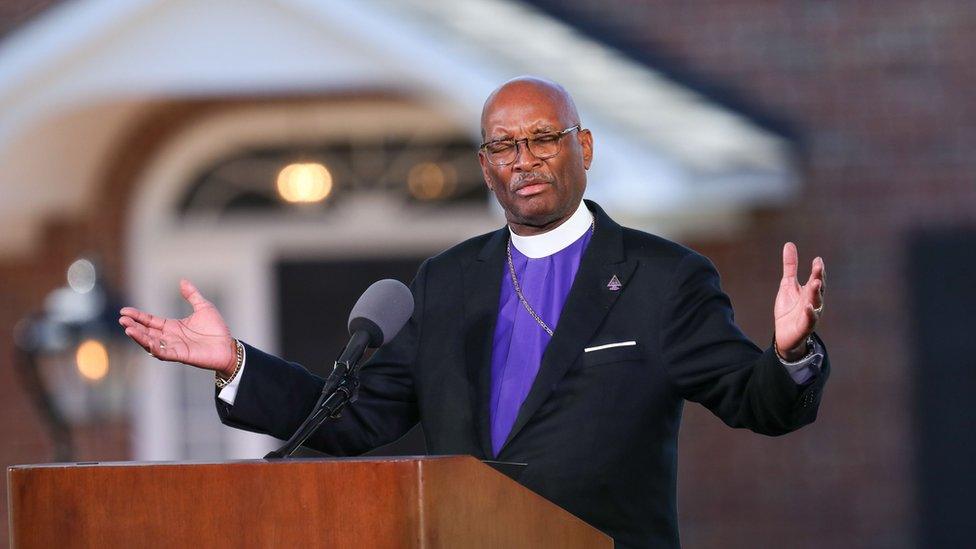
524	159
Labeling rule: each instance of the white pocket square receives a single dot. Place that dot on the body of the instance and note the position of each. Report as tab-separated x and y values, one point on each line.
610	346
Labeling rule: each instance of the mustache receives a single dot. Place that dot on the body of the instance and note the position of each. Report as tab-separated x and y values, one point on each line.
523	179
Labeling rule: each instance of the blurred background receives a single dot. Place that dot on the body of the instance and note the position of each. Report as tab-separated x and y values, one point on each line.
283	154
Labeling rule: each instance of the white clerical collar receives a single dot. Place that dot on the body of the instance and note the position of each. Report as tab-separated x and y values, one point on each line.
548	243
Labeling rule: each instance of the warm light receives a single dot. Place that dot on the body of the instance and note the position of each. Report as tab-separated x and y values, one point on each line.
304	182
430	181
92	359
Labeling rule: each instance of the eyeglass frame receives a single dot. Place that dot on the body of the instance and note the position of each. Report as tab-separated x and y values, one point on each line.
559	137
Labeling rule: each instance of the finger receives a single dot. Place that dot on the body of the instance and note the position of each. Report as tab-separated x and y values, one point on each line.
141	336
814	295
814	286
192	294
129	322
143	317
812	317
151	340
790	259
823	275
816	270
153	333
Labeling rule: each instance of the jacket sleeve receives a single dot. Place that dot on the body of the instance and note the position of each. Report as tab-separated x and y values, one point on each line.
710	361
275	395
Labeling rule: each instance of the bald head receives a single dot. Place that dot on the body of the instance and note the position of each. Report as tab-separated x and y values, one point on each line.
541	181
526	90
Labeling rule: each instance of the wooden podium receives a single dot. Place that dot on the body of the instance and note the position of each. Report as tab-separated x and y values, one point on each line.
451	501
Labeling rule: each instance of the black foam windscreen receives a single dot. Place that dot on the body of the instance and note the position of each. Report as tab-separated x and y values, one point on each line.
387	304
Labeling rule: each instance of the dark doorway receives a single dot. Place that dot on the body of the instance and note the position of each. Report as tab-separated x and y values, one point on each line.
942	277
314	300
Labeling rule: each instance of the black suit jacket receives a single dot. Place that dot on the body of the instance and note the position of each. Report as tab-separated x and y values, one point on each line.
598	429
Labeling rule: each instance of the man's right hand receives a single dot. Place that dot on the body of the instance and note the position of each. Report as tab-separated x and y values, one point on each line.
201	339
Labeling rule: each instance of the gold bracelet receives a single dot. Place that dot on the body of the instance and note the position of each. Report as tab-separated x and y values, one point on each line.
221	382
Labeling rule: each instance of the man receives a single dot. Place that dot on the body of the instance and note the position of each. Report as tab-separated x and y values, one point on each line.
563	341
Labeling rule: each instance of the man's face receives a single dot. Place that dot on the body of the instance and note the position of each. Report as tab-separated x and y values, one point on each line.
537	194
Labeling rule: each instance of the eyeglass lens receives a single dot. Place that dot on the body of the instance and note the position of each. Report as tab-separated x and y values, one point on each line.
544	146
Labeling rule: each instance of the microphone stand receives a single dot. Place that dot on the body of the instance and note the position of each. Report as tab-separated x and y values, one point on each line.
340	389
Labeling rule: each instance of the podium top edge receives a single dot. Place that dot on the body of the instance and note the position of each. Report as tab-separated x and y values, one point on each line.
376	459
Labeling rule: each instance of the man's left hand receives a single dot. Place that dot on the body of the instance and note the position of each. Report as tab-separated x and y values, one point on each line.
797	308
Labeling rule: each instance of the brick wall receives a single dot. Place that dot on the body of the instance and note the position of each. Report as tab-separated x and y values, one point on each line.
880	94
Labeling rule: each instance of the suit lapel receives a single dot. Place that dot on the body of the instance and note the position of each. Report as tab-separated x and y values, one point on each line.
482	284
589	301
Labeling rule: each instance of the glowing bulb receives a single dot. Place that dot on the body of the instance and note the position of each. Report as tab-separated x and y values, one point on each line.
304	182
430	181
92	359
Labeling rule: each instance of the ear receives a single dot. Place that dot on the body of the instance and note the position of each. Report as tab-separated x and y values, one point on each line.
586	142
484	170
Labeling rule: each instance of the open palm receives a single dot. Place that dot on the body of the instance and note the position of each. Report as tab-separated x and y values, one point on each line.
201	339
797	308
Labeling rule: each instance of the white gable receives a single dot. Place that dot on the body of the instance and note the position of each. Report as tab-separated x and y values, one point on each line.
71	81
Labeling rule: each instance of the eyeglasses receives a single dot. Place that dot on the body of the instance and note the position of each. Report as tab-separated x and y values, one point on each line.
503	152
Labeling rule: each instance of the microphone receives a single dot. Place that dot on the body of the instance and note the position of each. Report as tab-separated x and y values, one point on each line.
378	316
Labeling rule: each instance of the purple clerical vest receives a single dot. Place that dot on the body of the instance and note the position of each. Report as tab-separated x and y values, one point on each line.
519	341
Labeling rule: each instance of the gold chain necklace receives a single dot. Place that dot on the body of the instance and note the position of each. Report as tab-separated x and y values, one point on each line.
518	289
